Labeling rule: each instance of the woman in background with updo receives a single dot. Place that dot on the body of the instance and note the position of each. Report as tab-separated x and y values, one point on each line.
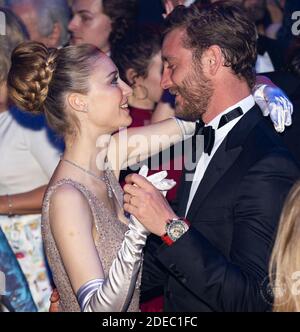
28	159
94	252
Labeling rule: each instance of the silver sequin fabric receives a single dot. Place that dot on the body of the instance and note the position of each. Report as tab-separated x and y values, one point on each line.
110	234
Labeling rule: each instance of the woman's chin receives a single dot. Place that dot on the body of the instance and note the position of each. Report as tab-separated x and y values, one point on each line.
127	122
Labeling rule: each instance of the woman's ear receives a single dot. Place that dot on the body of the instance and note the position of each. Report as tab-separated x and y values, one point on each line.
77	102
131	76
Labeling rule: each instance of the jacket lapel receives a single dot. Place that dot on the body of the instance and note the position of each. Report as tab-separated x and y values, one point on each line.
224	157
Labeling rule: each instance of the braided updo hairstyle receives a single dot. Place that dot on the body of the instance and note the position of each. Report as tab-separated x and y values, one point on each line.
40	78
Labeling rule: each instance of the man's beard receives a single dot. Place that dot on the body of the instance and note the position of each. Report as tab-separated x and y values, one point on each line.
195	92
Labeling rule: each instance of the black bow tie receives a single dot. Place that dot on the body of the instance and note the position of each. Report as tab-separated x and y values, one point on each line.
209	131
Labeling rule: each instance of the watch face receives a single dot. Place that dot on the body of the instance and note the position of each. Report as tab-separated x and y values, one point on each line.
176	229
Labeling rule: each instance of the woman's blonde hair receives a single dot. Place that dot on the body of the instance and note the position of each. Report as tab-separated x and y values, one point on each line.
285	259
40	78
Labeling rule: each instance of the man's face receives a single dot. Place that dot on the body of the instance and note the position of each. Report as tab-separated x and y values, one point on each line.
184	78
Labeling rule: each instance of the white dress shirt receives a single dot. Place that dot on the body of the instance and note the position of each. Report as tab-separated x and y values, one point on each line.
246	104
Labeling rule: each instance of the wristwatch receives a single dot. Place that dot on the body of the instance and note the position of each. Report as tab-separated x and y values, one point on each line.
175	228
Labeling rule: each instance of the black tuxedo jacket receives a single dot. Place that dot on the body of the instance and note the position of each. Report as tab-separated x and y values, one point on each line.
221	263
290	84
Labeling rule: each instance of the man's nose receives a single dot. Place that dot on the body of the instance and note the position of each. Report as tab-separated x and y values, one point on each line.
165	82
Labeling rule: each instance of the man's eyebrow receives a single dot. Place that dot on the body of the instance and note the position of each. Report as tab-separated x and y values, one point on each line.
166	58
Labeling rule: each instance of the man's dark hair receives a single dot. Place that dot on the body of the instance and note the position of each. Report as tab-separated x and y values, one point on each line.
222	23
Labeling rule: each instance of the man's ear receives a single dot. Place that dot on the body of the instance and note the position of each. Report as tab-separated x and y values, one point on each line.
77	102
212	60
54	37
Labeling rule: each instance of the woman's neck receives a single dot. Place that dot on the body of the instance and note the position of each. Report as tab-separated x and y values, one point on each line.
88	153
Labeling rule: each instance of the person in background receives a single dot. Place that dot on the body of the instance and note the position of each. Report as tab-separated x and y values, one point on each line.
28	159
46	21
138	58
16	296
101	22
285	260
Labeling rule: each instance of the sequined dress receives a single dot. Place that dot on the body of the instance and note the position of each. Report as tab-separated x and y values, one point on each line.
110	234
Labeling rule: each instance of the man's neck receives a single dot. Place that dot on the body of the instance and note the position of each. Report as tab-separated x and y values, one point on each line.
226	95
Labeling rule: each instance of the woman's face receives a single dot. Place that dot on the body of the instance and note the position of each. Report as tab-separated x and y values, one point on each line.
107	99
89	24
152	81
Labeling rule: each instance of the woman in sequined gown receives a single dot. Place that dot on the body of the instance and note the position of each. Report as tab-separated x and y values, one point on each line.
94	251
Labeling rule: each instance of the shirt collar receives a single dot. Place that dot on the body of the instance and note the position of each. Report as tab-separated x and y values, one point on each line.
245	104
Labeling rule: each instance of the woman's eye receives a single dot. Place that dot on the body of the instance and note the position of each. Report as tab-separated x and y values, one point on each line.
115	80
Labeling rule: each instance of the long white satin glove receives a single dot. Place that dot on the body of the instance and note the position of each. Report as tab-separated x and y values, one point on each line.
114	293
273	101
159	181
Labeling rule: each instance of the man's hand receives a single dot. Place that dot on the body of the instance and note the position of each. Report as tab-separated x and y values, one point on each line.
54	299
147	204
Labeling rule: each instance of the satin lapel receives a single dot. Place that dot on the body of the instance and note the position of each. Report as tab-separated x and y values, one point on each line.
220	163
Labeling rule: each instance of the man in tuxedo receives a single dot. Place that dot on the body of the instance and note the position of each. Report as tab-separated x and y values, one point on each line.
216	246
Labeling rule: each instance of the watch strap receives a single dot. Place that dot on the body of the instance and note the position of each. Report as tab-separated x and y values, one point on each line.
166	238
